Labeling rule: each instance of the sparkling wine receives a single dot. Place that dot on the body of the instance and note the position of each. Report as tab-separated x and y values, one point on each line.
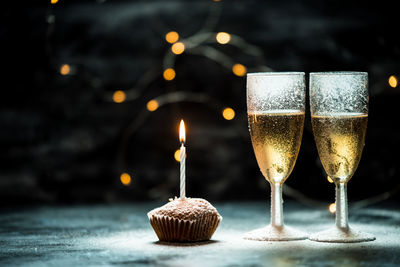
340	141
276	137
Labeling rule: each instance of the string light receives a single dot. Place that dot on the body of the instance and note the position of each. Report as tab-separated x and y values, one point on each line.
65	69
177	155
223	37
228	114
152	105
332	208
392	81
169	74
178	48
239	70
119	96
125	179
172	37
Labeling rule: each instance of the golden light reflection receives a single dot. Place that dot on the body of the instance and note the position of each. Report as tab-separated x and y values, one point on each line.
172	37
182	132
239	70
223	37
119	96
152	105
125	179
54	1
169	74
178	48
228	114
65	69
332	208
393	81
329	179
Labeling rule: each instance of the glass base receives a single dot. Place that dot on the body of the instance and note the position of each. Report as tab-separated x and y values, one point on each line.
271	233
341	235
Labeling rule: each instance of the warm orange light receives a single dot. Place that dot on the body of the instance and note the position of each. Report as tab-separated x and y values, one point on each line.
393	81
239	70
125	179
223	37
329	179
332	208
119	96
177	155
178	48
152	105
169	74
172	37
228	114
53	1
65	69
182	136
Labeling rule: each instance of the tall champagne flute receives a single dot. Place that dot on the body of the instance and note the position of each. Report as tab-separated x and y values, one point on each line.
339	116
275	108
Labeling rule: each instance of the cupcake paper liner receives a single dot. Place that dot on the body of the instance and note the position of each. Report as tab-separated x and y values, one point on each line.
178	230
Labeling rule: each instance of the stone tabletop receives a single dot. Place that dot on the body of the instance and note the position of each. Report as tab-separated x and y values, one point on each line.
120	235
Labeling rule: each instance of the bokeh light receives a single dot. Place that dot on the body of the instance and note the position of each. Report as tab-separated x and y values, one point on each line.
169	74
172	37
125	179
332	208
119	96
65	69
228	114
393	81
54	1
177	155
152	105
239	70
178	48
223	37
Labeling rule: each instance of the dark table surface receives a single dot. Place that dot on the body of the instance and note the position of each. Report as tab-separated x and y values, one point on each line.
101	235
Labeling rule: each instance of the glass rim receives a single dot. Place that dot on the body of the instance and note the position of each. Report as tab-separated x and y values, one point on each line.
339	73
274	73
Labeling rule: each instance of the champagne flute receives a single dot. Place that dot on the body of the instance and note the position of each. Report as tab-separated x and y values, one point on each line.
275	108
339	115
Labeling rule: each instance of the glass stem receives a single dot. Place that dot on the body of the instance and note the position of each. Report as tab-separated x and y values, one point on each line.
341	206
276	205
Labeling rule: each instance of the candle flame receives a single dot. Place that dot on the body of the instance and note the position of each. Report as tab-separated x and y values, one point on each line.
182	136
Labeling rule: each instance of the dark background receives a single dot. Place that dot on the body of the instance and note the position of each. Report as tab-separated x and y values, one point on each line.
64	140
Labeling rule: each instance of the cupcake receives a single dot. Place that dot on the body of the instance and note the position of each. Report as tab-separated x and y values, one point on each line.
185	220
